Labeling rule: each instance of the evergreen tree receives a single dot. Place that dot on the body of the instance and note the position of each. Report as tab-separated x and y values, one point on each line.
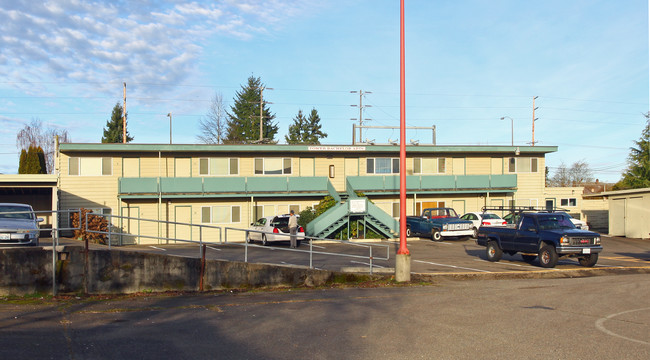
22	163
244	115
297	129
314	132
113	131
41	160
32	162
305	131
637	174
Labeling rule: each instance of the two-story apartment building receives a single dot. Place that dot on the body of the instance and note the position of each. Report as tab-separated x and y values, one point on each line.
233	185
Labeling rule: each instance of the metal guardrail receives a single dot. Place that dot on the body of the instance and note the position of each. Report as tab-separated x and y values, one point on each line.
311	251
246	244
110	233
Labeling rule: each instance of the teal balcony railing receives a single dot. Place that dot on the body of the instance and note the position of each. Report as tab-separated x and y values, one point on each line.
223	185
390	183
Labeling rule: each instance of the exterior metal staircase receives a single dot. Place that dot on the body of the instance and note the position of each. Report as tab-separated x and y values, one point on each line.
352	208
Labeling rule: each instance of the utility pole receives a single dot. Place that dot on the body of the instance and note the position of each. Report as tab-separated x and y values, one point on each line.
361	106
262	111
124	117
534	119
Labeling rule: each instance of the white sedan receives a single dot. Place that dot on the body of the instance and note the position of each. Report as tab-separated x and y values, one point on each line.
267	227
483	219
18	225
579	224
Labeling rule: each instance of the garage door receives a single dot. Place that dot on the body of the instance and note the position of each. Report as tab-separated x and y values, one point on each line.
617	217
634	218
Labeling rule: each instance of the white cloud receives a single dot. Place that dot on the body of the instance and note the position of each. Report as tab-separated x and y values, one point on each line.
147	41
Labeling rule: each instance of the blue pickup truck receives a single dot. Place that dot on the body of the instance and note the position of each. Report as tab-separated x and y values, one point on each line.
547	236
438	223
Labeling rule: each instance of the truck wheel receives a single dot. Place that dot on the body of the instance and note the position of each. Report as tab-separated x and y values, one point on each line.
547	256
435	235
493	251
589	260
529	258
475	233
408	231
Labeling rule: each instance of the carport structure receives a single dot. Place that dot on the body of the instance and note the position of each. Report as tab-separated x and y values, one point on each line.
37	190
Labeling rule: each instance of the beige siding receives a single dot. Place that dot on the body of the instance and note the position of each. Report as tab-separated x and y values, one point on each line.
478	166
458	166
306	167
352	166
130	167
183	167
496	166
152	167
89	192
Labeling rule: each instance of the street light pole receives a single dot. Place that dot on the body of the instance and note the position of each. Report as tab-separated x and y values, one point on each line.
170	127
512	129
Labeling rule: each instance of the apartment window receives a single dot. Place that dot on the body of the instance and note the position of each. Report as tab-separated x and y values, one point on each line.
90	166
285	209
273	166
522	165
429	166
382	166
221	214
218	166
569	202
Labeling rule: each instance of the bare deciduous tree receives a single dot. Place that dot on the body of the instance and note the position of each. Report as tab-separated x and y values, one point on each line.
34	134
213	125
577	175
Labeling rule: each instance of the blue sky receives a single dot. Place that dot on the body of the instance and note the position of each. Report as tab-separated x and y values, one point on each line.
468	63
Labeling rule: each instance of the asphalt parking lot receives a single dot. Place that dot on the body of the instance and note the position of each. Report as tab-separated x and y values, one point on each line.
427	257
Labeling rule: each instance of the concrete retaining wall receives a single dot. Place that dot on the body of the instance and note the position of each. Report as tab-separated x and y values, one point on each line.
29	270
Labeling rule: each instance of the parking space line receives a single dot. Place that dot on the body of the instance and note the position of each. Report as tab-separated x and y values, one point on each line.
157	248
451	266
213	248
506	263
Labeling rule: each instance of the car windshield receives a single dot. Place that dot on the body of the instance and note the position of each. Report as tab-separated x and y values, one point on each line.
7	210
555	222
491	216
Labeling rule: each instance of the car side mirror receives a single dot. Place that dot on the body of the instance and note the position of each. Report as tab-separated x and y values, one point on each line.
252	224
40	220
